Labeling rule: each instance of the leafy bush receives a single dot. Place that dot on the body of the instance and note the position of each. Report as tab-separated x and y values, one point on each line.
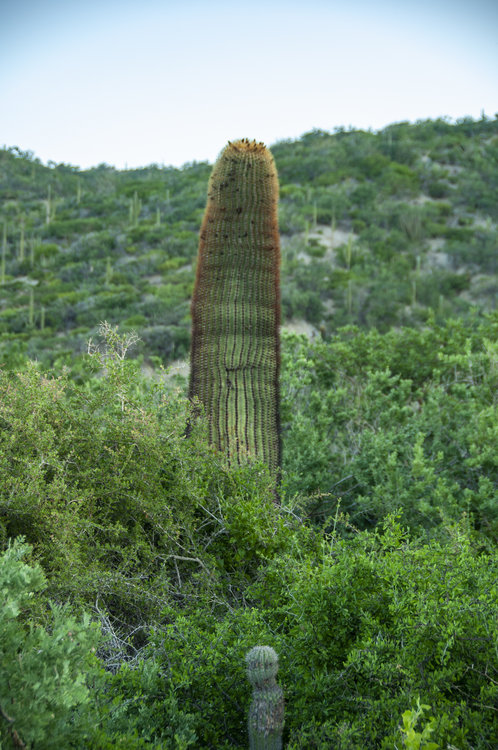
44	670
374	422
53	691
377	620
117	502
412	739
362	627
188	563
137	708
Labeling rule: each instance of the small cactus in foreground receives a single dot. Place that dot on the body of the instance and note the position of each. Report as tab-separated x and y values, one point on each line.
266	712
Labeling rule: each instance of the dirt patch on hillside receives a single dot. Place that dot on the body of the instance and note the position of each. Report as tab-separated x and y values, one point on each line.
329	238
301	326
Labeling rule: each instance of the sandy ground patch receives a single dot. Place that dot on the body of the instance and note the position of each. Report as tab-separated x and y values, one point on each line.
328	238
301	326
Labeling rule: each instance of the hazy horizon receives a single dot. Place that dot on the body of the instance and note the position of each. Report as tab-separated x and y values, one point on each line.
171	83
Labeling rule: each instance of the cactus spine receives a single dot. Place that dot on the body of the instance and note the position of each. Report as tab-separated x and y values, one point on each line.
266	712
235	355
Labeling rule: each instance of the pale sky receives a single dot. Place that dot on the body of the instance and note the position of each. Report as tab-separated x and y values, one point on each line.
161	81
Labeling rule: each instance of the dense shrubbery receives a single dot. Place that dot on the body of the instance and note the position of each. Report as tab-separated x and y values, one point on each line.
407	419
363	627
43	675
186	563
102	481
53	690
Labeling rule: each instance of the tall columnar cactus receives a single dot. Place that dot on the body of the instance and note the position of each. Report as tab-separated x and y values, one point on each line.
266	712
235	356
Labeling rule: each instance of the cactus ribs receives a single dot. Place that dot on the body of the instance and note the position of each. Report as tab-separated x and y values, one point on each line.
235	354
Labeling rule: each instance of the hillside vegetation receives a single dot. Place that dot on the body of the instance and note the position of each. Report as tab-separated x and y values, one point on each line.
138	567
378	229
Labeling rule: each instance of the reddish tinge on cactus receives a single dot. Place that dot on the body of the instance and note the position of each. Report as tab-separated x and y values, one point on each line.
266	712
235	355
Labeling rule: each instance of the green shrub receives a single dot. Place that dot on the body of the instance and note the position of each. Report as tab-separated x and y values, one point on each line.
44	669
413	740
362	626
375	422
438	190
117	503
376	621
137	708
53	691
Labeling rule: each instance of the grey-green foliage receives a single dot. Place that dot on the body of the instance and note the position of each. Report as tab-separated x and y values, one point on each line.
266	713
42	670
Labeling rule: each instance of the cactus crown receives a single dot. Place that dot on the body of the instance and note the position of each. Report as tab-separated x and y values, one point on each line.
262	665
246	145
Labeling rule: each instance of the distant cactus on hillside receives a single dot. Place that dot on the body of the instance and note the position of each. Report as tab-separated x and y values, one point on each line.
135	207
235	354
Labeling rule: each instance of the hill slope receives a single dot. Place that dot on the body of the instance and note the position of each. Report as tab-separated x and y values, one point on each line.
377	230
